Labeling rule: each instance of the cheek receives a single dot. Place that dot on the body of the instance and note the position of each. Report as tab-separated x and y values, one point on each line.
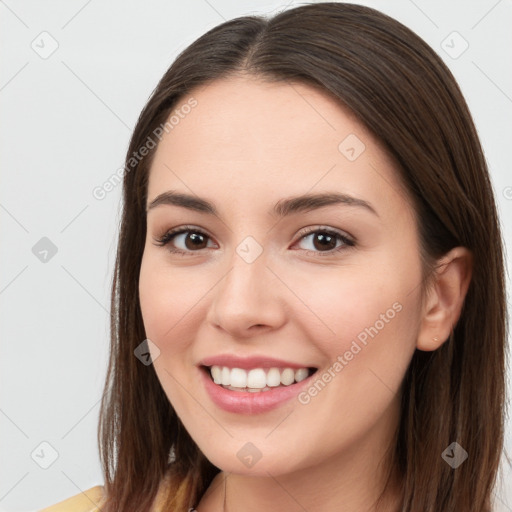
367	315
340	303
374	317
170	303
169	299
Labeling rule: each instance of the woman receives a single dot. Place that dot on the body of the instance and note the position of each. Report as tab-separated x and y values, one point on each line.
308	299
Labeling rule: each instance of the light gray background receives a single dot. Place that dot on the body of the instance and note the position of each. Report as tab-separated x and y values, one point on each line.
66	122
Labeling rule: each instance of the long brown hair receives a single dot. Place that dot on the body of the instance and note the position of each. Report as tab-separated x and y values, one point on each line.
401	90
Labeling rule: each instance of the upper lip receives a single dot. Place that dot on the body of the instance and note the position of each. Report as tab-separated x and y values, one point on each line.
232	361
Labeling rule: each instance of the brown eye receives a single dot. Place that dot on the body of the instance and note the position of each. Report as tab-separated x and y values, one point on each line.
324	241
195	241
184	240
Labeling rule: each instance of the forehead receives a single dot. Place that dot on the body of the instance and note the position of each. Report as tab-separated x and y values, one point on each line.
241	116
266	138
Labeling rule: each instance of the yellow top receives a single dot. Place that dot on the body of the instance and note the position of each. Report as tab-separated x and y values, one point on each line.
87	501
92	499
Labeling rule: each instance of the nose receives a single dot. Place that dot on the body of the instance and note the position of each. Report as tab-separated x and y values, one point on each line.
248	300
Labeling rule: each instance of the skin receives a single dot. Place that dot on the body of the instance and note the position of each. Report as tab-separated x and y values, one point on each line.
294	302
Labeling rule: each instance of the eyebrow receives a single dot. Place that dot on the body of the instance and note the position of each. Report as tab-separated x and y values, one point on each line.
282	208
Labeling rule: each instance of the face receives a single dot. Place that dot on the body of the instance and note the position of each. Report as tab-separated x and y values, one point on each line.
306	312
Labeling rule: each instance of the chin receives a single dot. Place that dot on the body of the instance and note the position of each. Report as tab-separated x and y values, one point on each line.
246	459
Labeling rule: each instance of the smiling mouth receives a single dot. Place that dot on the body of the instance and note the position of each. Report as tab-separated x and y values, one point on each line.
257	379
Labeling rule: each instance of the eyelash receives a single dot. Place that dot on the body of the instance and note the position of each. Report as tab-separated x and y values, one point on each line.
170	235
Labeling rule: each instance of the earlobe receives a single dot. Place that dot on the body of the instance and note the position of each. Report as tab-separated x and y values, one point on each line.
445	298
432	344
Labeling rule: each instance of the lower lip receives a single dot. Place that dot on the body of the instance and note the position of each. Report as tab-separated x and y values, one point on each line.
245	402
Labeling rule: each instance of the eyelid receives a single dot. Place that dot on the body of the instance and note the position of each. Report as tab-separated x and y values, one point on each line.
168	234
313	229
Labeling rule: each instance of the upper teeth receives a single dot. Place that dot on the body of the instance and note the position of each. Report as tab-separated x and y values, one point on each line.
257	378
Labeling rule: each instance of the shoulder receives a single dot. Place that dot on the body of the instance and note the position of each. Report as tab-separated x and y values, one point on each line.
87	501
92	499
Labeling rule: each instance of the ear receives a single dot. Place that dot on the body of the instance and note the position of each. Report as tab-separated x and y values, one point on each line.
445	298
